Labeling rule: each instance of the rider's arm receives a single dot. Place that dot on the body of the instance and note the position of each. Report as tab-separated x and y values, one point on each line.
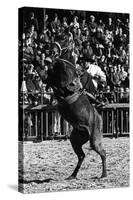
100	74
96	72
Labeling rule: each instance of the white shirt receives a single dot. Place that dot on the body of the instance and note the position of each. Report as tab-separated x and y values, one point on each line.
96	72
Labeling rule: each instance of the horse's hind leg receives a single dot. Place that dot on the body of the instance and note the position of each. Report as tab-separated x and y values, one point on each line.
77	141
96	144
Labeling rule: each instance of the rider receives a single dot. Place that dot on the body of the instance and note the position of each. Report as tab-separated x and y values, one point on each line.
92	77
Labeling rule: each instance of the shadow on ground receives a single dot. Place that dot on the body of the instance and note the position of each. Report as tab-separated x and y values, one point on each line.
36	181
13	187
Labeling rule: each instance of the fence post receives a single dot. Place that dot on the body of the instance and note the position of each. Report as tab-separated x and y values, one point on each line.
36	124
121	122
46	124
41	126
127	121
112	122
107	122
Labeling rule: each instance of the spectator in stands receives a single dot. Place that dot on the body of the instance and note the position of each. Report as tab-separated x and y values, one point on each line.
119	39
47	95
54	24
40	49
87	50
47	49
29	82
28	53
102	63
124	95
111	53
123	75
110	95
122	55
110	26
83	25
65	23
100	32
45	35
126	82
108	37
86	37
101	26
117	26
92	25
75	23
32	33
43	69
127	93
115	77
46	22
33	21
98	51
102	98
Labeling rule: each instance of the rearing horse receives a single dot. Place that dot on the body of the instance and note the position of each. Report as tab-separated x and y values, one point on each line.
77	110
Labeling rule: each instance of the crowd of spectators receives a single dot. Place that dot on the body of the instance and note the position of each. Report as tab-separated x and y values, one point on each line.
105	43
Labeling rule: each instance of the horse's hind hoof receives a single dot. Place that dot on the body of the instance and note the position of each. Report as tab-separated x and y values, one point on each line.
70	178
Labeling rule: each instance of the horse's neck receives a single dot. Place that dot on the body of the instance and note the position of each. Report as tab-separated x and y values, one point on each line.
69	63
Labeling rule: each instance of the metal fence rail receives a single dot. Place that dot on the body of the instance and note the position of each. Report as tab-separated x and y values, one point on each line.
44	122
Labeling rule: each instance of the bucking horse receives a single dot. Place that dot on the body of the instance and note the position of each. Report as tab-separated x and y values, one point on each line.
75	107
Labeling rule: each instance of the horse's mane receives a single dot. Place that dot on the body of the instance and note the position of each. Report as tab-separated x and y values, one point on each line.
64	71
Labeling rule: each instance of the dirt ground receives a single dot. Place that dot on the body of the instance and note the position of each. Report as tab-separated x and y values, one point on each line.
47	164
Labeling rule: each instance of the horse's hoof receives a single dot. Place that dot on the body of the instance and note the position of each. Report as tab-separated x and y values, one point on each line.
70	178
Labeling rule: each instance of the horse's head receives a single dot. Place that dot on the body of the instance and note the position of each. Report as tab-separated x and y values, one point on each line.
61	74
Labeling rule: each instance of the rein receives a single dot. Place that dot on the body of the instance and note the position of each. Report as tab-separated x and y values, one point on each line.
66	61
85	84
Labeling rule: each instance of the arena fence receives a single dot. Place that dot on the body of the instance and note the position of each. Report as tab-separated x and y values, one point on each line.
44	122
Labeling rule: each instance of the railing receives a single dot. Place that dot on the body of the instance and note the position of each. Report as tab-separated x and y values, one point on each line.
115	120
40	96
44	122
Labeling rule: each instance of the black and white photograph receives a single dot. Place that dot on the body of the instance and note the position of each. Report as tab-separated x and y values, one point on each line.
74	91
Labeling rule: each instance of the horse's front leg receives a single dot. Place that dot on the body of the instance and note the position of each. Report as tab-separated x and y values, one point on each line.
74	174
